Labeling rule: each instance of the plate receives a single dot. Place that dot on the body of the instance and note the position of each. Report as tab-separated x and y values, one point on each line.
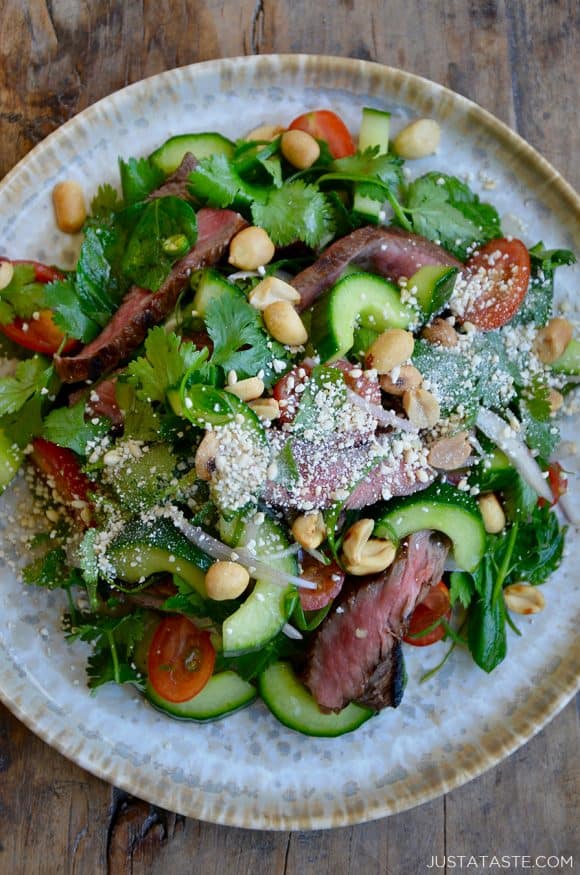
248	770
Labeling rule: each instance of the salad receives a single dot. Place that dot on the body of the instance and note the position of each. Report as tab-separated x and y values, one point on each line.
293	412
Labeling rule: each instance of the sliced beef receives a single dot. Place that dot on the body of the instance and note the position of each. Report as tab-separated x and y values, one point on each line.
101	401
355	653
141	309
176	183
390	252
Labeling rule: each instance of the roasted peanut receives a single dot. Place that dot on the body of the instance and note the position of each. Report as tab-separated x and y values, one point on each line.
449	453
441	332
556	400
552	340
418	139
265	132
391	348
408	377
247	390
421	407
251	248
270	290
309	530
300	149
491	513
69	206
206	455
226	580
521	598
362	554
284	324
266	408
6	273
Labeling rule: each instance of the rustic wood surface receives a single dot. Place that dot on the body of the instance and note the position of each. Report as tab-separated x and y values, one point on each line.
519	59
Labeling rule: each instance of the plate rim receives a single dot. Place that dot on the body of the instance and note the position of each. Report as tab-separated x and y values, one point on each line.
565	679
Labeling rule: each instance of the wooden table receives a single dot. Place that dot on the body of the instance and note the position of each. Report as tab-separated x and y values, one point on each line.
517	59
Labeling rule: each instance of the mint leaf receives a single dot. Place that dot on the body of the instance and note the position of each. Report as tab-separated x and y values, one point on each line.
66	426
539	546
537	305
31	376
147	259
139	177
444	209
216	182
166	360
296	211
240	341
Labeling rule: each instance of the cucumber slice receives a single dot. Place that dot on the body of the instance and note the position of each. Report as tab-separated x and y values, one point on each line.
359	299
211	286
291	703
169	156
443	508
569	361
269	605
374	131
432	286
494	472
11	457
224	693
143	549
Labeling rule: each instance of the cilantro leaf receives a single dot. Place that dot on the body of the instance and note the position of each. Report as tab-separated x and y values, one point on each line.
52	571
67	427
32	375
23	296
240	342
165	362
375	174
114	640
296	211
539	546
461	589
216	182
139	177
146	260
444	209
105	202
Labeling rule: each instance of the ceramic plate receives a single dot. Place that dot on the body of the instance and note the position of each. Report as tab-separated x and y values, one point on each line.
249	770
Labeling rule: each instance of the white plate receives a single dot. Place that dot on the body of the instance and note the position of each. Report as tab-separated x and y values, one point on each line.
248	770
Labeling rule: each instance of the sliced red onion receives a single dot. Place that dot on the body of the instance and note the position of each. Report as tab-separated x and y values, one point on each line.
220	551
316	554
498	430
383	417
569	511
291	632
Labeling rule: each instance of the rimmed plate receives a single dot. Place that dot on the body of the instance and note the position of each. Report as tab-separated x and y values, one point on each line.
248	770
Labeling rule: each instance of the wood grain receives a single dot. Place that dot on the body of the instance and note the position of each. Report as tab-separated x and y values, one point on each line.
518	60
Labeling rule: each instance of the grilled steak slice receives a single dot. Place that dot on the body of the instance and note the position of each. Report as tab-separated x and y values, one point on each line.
176	183
353	656
390	252
141	309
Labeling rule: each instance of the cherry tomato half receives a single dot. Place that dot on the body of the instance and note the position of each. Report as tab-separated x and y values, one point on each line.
39	335
62	467
322	124
502	269
181	659
434	606
328	580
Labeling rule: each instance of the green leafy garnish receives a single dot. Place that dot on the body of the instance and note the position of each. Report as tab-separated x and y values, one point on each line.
139	177
52	571
296	211
148	259
537	305
376	175
67	427
164	364
114	640
23	296
105	202
32	376
216	182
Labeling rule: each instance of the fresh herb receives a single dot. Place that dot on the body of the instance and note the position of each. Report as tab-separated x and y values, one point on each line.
251	665
30	378
52	571
461	589
166	360
216	182
67	427
240	342
105	202
444	209
537	305
189	602
451	374
139	177
296	211
114	640
376	175
541	432
23	296
329	381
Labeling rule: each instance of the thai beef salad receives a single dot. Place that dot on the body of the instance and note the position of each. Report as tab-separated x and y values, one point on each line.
292	412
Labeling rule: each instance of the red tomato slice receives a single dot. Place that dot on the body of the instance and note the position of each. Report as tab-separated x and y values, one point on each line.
61	466
323	124
501	270
328	580
181	659
557	482
434	607
365	386
39	335
285	391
